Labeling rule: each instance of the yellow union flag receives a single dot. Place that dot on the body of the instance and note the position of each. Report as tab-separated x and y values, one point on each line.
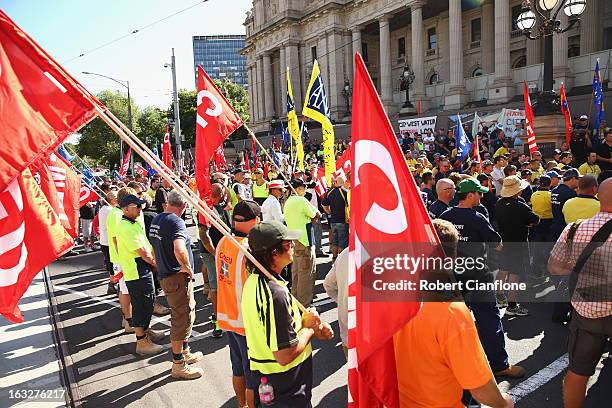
317	108
293	125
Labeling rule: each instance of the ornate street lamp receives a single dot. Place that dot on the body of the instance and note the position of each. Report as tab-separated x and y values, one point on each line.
406	79
537	21
347	92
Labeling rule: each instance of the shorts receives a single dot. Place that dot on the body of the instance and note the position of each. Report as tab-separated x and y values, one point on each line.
142	298
211	268
587	342
514	258
179	294
122	286
240	358
340	232
86	228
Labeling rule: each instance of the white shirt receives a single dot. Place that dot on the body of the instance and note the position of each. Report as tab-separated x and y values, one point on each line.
102	224
498	177
336	287
271	210
428	140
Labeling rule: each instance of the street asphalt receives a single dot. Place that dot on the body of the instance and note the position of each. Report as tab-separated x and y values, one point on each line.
108	373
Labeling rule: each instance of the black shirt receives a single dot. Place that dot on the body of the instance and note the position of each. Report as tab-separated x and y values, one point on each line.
604	150
513	218
437	208
214	234
431	197
488	200
161	197
558	196
527	193
578	147
336	199
165	229
86	212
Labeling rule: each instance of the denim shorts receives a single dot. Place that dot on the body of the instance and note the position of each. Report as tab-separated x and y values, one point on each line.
340	232
240	358
211	267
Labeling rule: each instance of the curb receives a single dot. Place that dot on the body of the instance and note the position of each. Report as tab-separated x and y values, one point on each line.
73	396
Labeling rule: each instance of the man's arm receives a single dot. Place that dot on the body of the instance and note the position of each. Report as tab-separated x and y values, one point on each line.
182	256
206	241
559	262
490	395
147	256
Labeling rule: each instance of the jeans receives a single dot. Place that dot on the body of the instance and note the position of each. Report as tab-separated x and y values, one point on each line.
318	236
142	297
491	333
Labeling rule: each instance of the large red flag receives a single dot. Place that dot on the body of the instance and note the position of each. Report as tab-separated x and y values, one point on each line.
62	186
40	104
167	150
87	195
126	163
531	138
343	164
31	237
215	121
397	219
566	113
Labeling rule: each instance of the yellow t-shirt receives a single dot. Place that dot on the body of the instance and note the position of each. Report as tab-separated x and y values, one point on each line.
500	151
586	169
541	204
130	237
112	222
298	212
580	208
411	162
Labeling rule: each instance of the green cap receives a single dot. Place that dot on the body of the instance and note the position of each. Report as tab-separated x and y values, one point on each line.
268	234
471	185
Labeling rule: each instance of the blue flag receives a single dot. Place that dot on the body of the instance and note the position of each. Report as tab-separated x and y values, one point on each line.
463	143
64	153
88	176
598	99
117	176
150	171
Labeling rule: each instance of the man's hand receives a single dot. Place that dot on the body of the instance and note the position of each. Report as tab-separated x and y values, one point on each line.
186	269
311	319
324	332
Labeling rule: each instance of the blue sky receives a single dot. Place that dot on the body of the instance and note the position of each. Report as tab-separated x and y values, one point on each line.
68	28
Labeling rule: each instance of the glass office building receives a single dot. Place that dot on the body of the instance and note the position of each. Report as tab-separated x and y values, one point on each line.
220	57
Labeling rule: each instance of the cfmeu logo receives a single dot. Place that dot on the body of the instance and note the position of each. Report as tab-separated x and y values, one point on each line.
218	109
11	238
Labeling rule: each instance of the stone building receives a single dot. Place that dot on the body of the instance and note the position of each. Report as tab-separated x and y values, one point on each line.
464	53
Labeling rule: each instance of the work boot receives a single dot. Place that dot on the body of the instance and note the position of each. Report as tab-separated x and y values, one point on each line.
181	370
126	327
146	347
160	310
217	332
191	358
155	335
513	371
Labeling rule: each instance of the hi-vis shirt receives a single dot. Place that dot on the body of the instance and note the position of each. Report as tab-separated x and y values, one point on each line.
231	276
272	320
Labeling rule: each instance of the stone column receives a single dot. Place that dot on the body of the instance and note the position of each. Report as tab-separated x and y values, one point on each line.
417	93
386	89
323	58
349	57
252	102
335	60
268	85
443	48
590	28
292	61
356	35
534	51
456	96
487	38
502	89
261	112
282	62
561	71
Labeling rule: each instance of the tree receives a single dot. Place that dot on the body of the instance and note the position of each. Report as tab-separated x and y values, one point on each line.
98	141
152	126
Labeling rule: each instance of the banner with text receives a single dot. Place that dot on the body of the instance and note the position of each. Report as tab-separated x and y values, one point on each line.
417	125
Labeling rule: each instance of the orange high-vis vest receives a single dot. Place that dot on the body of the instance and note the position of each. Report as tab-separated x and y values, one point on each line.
231	275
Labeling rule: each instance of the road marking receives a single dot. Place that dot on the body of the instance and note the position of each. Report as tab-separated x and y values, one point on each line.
540	378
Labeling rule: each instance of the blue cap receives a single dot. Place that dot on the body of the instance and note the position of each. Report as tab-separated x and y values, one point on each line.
552	174
571	173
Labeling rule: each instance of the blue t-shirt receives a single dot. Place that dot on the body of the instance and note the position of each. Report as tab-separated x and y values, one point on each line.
165	229
558	196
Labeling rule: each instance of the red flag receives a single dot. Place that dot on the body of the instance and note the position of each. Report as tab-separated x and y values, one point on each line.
477	150
254	152
566	113
531	138
219	158
215	121
247	161
62	186
87	195
419	107
267	171
31	237
167	150
396	218
343	164
141	170
41	103
126	163
318	175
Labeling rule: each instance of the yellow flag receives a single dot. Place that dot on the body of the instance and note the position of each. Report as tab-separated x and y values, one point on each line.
317	108
293	125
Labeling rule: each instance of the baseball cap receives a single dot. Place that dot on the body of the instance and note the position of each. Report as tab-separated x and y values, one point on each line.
131	199
558	151
545	180
471	185
246	210
247	175
551	174
276	184
296	183
583	117
238	170
571	173
268	234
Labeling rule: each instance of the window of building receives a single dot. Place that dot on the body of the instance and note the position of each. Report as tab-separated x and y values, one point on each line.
476	30
477	72
313	52
516	10
432	39
520	62
401	47
434	79
573	46
364	51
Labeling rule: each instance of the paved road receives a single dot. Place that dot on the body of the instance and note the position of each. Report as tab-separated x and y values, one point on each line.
109	373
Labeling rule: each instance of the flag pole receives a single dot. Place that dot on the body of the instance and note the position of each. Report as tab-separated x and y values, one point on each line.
301	131
248	129
189	195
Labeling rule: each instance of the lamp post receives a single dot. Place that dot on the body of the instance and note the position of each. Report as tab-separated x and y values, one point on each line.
347	92
125	84
177	120
537	20
406	79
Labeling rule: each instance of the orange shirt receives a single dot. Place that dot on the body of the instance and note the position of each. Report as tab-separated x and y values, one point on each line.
438	355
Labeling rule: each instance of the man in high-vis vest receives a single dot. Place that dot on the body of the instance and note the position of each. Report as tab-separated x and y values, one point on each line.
278	333
238	189
231	275
260	187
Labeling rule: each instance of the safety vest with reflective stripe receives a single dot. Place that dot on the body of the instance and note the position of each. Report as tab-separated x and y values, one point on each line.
231	275
260	191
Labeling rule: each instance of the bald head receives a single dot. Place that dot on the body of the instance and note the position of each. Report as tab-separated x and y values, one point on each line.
605	195
216	189
445	189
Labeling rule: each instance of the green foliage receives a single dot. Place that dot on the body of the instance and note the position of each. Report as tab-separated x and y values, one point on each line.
152	126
